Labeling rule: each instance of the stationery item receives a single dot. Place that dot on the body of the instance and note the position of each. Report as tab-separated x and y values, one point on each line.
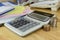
53	4
9	3
18	11
23	25
5	9
1	4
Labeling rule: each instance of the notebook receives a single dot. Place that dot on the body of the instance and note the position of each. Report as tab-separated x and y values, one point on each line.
18	11
5	9
1	4
9	3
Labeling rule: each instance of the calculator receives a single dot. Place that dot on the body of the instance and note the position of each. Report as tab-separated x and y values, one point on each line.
24	25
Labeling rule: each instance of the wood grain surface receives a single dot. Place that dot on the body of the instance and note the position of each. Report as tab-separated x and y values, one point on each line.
53	34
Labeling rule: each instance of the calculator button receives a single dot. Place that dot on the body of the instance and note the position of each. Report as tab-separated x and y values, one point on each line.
31	25
19	23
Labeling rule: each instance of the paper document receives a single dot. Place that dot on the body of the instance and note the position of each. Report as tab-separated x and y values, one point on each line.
5	9
9	3
18	11
1	4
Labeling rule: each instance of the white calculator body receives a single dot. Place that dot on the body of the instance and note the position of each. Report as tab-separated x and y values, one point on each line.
27	24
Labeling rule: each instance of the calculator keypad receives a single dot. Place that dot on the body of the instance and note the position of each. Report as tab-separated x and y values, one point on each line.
19	23
27	27
23	24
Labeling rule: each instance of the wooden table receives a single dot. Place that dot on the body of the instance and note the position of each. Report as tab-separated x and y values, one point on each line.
7	0
53	34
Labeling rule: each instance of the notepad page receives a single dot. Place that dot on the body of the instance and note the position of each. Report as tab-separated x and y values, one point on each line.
4	9
10	15
8	4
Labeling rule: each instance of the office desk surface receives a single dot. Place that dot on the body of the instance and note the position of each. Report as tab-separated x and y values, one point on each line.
53	34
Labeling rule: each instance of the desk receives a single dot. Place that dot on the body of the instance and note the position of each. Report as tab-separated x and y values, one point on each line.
7	0
6	34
